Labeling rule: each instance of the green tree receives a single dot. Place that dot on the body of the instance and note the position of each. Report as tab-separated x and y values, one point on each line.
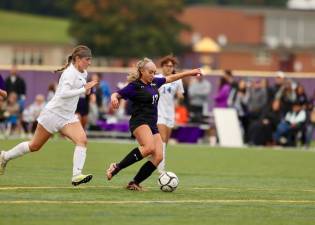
60	8
128	28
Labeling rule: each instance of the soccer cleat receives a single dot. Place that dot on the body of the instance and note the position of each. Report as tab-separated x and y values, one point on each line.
132	186
3	163
81	179
112	171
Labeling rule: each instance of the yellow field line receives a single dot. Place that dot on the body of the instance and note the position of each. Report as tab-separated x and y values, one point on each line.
8	188
187	201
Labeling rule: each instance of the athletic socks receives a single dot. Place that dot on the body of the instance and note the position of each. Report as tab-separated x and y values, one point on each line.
79	156
161	166
18	151
145	171
132	157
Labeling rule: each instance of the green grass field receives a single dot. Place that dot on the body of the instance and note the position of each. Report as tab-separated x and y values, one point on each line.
217	186
26	28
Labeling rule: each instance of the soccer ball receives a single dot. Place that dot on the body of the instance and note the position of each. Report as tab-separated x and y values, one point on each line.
168	181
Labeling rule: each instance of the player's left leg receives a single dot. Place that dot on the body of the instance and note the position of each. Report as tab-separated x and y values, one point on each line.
76	133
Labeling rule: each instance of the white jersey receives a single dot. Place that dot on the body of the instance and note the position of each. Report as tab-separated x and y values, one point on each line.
70	87
166	105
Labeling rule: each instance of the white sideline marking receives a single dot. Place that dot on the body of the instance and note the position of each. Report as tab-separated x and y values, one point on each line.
8	188
188	201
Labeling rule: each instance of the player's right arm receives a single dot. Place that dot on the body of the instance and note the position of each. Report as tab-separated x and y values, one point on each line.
114	100
126	93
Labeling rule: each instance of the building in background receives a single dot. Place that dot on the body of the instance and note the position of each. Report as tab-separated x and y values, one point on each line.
253	39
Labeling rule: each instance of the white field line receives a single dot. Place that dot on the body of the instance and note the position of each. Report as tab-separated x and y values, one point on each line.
187	201
12	188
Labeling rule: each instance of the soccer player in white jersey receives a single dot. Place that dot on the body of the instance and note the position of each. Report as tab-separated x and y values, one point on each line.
166	106
59	115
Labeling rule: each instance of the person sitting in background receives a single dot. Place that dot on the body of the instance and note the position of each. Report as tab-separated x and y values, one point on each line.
293	122
51	91
12	113
261	131
198	93
31	113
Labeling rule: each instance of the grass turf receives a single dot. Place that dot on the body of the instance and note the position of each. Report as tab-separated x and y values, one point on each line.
217	186
26	28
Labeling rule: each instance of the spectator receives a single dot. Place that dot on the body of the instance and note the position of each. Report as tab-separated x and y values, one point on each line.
2	114
15	83
287	95
97	90
228	75
221	98
261	131
293	122
279	83
181	113
12	113
198	93
31	113
51	91
104	86
238	100
93	115
311	121
301	95
257	99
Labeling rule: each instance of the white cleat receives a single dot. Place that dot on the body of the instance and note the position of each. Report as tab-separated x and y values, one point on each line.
81	179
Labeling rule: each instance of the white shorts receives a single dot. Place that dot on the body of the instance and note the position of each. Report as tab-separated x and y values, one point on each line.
52	122
166	121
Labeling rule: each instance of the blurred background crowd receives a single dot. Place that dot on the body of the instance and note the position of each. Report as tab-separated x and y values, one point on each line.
274	111
240	45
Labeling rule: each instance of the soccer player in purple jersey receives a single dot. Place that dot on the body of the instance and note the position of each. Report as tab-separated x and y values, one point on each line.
142	91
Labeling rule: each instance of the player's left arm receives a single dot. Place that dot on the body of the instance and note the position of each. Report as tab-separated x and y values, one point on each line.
177	76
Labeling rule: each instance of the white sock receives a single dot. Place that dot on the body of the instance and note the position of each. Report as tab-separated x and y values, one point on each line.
79	156
17	151
161	166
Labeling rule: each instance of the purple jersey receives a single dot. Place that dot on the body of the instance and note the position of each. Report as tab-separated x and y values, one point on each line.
144	99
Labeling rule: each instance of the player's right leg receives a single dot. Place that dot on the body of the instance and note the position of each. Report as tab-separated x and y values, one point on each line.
40	137
145	139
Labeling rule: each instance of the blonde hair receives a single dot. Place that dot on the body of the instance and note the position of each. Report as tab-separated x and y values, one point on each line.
80	51
135	75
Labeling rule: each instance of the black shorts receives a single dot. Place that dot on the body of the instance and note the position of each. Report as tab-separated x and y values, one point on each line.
134	124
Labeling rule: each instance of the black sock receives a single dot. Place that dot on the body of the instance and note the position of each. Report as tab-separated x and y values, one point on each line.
131	158
145	171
